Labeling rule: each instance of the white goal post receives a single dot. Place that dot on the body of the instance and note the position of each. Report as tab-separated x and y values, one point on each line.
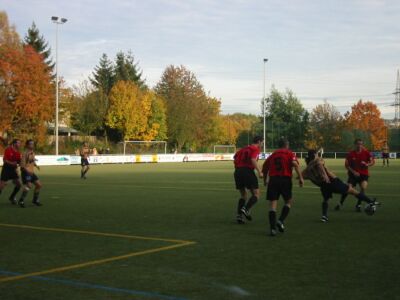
145	143
227	147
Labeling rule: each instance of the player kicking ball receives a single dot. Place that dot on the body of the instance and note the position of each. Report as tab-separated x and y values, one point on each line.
29	178
245	162
330	184
278	167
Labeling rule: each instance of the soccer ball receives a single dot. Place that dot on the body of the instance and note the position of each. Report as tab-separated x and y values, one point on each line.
370	209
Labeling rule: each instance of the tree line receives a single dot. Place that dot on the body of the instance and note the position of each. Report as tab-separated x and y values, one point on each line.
116	103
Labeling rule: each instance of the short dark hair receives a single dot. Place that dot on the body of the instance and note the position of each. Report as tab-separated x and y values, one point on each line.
310	155
356	141
283	142
14	141
257	139
28	142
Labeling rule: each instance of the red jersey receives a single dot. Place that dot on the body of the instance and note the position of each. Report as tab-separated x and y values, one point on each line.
280	163
358	161
11	155
242	158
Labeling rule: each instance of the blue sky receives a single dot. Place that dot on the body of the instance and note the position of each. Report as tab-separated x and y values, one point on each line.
336	50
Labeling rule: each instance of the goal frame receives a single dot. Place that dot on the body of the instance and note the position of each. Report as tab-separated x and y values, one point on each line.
225	146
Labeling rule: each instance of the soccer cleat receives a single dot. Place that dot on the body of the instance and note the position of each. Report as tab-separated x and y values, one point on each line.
246	213
21	204
358	208
273	232
239	219
338	207
324	219
376	203
280	226
13	200
37	203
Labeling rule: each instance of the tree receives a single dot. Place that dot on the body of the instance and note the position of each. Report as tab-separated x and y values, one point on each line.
187	107
288	118
157	122
26	94
238	129
326	126
8	34
39	44
366	116
129	110
127	70
103	75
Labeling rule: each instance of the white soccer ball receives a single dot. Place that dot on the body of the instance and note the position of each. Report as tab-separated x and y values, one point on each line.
370	209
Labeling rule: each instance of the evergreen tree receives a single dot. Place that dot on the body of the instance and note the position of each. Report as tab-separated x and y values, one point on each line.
126	69
103	75
37	41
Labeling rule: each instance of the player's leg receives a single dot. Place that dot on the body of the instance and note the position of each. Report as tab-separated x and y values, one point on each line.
252	185
273	204
86	169
36	192
2	185
361	196
286	192
363	187
17	187
26	188
240	205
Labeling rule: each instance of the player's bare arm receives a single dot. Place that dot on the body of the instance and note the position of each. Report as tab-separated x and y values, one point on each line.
256	167
296	167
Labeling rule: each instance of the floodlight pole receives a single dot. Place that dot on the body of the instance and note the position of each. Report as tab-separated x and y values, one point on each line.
57	21
264	106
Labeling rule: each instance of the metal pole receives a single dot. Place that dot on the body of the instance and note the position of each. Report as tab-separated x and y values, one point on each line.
56	124
264	106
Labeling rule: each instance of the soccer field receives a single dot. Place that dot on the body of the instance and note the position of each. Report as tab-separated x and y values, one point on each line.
168	231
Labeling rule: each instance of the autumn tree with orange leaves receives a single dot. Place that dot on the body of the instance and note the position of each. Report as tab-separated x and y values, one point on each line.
366	116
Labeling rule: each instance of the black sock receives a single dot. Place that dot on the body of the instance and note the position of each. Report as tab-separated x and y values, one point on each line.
23	195
36	197
251	202
272	219
344	196
284	213
15	192
362	197
325	208
84	172
241	203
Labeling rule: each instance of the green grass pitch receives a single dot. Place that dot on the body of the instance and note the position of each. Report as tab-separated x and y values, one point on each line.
354	256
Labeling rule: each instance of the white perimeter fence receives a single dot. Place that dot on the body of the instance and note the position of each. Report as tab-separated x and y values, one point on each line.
66	160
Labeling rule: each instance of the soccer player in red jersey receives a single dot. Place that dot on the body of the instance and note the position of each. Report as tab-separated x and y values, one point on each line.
278	167
245	162
11	160
357	163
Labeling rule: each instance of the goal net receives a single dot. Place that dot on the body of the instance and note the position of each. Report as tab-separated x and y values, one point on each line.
144	147
223	149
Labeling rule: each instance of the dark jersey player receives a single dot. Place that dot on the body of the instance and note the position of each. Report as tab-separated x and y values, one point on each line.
245	161
278	167
357	163
385	154
329	184
11	160
84	160
29	178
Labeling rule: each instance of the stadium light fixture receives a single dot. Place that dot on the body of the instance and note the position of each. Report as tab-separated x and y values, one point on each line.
58	21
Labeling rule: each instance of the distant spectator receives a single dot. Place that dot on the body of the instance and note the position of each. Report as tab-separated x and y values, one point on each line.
94	151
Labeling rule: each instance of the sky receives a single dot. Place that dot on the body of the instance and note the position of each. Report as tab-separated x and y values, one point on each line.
334	50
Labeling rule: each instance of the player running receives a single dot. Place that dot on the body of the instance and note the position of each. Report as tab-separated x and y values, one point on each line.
84	160
329	184
385	154
11	160
245	161
28	165
278	167
357	163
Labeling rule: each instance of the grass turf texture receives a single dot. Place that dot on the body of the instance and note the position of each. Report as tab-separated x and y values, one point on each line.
353	256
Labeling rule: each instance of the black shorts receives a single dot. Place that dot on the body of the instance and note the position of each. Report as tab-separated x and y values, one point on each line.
336	186
385	155
245	178
84	162
279	186
8	173
28	177
353	180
